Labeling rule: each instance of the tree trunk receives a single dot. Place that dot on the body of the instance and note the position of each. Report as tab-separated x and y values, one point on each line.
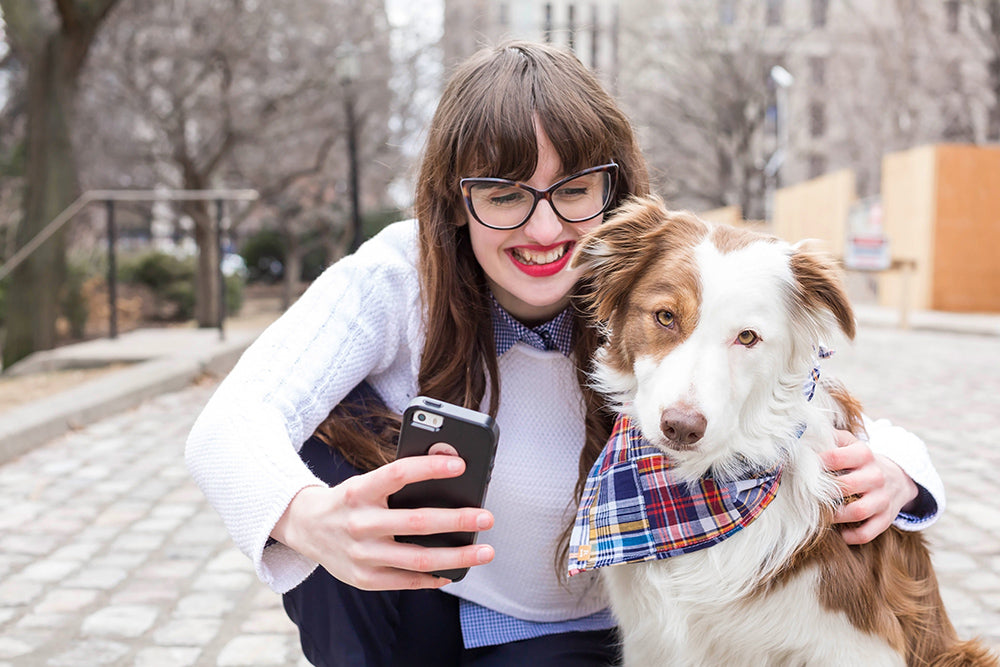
51	186
207	288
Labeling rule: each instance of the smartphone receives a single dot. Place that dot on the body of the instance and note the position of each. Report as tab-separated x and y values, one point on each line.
474	436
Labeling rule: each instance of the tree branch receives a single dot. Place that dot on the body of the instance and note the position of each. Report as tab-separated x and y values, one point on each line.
26	28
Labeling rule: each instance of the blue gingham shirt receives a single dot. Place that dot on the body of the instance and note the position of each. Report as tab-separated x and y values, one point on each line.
482	626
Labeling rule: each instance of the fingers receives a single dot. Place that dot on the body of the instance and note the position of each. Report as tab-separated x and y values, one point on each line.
864	532
377	522
866	512
390	478
850	453
860	481
405	566
409	565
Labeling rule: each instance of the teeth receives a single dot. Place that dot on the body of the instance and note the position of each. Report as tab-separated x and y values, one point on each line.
531	257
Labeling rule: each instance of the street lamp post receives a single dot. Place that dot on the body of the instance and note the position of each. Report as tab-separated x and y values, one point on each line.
348	75
783	80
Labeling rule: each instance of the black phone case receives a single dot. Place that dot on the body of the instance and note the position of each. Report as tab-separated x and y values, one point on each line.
475	436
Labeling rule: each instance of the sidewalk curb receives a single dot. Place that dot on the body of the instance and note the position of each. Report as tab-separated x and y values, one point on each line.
974	324
37	422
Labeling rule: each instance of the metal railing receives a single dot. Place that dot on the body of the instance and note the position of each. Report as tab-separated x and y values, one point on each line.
112	196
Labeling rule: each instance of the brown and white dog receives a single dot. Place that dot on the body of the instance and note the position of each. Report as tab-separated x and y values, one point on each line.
710	337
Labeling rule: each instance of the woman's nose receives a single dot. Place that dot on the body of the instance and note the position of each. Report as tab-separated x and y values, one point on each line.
544	226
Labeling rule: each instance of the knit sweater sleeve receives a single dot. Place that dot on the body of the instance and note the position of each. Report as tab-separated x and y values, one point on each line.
243	449
910	453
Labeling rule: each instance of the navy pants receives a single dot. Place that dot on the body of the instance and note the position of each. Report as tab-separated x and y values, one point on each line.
340	625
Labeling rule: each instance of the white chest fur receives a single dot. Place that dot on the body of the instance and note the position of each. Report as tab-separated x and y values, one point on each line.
708	608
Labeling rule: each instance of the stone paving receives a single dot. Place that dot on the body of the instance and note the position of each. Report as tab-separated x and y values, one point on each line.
111	556
946	389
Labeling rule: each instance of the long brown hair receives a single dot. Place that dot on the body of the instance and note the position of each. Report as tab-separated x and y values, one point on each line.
484	126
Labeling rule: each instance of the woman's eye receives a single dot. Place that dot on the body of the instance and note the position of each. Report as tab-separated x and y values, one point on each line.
665	318
572	192
506	198
747	338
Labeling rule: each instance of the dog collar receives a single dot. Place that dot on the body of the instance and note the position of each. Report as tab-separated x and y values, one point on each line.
634	509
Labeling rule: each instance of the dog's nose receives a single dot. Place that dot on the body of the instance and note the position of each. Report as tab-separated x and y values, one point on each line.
683	424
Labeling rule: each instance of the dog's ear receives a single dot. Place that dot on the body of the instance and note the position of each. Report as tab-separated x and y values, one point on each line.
818	287
612	255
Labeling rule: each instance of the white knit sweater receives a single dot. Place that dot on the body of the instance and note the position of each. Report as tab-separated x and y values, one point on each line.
362	320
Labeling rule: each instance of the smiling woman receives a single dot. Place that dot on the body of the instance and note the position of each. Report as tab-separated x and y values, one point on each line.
524	155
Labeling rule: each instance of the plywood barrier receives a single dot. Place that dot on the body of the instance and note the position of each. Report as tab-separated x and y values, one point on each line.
816	209
941	212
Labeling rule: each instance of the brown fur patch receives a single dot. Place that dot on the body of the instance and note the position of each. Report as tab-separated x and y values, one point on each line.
643	258
886	587
730	239
819	287
848	417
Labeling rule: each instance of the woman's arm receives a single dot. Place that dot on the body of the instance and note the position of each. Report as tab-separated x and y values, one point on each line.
892	477
242	450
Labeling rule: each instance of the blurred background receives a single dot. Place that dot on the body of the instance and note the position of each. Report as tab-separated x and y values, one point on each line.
168	161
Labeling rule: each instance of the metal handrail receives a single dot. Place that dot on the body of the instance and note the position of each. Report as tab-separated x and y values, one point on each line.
117	195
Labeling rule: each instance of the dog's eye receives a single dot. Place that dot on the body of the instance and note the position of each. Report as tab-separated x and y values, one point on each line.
747	338
665	318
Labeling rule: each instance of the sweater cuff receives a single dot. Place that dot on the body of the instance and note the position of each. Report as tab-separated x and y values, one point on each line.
909	452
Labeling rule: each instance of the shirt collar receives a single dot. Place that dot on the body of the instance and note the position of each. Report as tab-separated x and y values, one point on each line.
556	334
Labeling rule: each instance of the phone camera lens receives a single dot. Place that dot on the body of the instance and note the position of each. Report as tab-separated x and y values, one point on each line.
422	417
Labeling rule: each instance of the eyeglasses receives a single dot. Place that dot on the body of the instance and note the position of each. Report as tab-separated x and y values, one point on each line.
499	203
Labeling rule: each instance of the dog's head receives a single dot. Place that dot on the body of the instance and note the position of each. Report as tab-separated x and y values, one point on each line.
711	330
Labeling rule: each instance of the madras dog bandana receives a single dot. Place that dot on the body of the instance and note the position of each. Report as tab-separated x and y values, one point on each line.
633	509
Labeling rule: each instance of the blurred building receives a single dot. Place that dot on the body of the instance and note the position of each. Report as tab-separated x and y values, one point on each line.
590	29
864	79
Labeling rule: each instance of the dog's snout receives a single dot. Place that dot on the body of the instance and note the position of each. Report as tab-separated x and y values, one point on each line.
683	424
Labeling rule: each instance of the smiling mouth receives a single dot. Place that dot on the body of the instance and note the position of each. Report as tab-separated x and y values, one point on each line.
540	258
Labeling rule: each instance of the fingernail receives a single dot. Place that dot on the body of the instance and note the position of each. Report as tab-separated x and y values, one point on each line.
484	554
454	464
483	521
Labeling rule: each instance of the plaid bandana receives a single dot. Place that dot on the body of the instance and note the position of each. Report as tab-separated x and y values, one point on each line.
634	509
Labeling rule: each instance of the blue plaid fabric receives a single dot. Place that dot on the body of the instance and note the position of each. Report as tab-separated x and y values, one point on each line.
634	509
485	627
556	334
482	626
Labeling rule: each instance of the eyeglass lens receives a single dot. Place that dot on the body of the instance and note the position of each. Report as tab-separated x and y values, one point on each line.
507	205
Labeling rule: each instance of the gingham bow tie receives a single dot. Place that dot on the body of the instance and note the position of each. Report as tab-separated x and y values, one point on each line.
634	509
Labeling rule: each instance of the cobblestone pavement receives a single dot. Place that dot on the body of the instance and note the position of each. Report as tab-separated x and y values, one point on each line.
946	389
110	555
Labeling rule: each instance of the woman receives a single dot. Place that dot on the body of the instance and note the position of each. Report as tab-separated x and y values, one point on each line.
469	303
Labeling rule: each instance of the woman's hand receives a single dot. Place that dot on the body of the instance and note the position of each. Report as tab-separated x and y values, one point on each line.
349	529
877	487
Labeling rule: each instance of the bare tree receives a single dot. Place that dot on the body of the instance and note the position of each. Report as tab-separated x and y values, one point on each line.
700	97
223	93
52	42
984	17
908	76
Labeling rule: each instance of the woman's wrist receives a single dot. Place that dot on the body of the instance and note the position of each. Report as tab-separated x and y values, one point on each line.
285	529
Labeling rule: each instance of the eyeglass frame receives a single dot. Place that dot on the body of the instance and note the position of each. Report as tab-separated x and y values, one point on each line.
546	194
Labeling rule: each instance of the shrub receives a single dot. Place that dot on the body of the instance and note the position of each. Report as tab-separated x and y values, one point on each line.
264	254
157	270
